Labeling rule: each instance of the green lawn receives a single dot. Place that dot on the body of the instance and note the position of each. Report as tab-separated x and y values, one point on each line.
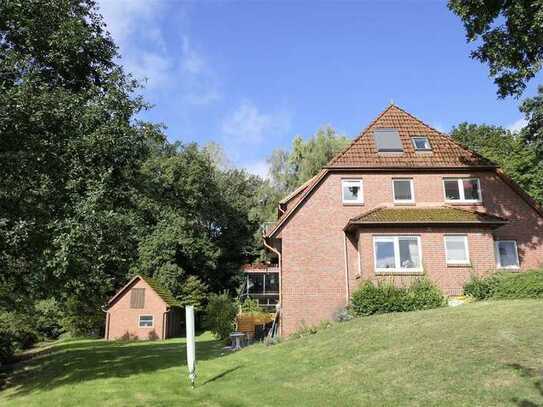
485	354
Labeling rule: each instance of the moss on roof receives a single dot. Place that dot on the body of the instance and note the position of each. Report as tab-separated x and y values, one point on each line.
162	292
425	215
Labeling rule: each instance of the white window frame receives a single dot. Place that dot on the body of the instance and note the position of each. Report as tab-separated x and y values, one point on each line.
421	138
146	315
396	240
497	251
352	182
411	186
461	190
467	262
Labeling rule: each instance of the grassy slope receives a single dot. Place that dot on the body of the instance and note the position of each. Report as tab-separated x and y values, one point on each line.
482	354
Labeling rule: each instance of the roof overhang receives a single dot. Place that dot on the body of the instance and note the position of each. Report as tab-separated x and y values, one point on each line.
351	226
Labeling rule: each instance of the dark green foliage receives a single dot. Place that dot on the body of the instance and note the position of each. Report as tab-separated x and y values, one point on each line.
533	132
510	151
193	292
48	317
385	297
16	333
220	317
509	37
506	286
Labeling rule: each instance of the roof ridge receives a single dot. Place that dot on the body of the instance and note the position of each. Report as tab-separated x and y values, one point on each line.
341	153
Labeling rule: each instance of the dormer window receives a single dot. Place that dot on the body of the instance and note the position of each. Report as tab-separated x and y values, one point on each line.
387	141
421	144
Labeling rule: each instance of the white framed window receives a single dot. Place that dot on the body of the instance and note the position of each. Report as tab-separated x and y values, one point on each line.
456	249
421	144
397	254
145	321
402	190
462	189
507	254
352	191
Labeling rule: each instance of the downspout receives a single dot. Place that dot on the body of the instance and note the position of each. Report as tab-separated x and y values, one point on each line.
278	253
347	291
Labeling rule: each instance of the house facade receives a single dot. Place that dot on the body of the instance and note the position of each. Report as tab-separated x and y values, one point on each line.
402	201
142	310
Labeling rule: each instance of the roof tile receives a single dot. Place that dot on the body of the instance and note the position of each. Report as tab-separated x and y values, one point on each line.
445	153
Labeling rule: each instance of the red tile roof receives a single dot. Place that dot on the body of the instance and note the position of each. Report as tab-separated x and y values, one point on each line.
446	153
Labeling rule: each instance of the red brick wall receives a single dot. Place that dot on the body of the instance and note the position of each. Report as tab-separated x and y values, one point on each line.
123	319
313	262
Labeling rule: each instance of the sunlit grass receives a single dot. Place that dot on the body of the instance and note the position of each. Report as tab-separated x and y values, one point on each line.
479	354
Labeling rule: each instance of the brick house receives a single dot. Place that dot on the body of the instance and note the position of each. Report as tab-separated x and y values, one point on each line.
142	309
403	200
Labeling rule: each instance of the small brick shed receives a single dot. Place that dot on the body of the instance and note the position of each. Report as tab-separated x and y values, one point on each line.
142	309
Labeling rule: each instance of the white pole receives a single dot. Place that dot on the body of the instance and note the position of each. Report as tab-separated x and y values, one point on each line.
191	345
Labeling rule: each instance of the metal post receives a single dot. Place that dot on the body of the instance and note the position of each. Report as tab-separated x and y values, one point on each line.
191	343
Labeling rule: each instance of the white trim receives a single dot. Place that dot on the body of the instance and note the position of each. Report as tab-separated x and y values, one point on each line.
467	262
411	187
497	252
395	239
423	138
461	190
353	182
146	326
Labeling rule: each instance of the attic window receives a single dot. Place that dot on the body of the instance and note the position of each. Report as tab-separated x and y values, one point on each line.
387	141
421	144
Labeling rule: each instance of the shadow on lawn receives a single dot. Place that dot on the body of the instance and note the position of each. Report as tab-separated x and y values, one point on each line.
82	361
536	375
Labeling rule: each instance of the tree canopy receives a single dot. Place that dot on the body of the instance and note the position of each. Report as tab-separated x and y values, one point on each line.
509	36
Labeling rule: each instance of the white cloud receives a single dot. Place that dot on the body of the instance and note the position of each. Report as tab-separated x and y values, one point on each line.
123	17
247	124
154	69
260	168
518	125
137	28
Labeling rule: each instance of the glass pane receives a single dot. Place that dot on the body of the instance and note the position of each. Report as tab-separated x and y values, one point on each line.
256	283
351	192
456	249
272	282
471	189
146	320
385	255
507	253
409	253
422	144
451	189
402	190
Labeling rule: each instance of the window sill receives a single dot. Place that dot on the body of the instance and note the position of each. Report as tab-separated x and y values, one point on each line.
404	204
399	273
508	269
459	265
353	203
463	203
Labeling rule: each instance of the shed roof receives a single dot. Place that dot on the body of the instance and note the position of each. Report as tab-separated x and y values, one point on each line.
161	291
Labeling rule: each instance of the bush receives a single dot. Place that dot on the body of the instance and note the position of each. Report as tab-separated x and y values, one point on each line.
481	288
505	285
251	306
48	318
384	297
16	334
221	312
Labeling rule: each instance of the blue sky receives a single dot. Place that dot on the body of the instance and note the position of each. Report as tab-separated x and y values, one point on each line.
252	75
